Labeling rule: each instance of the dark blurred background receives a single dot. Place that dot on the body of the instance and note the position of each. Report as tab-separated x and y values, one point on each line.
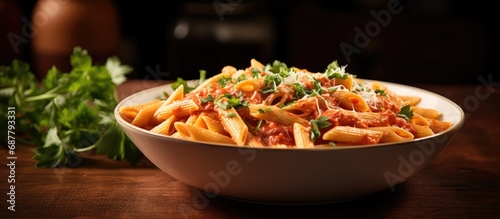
417	41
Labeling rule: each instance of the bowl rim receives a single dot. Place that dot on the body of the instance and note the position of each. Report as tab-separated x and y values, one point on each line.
454	128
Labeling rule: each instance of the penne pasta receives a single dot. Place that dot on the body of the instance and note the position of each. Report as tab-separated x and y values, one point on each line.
165	127
145	114
195	133
352	135
425	112
200	122
253	141
233	124
256	64
422	131
397	100
249	85
214	125
176	135
410	100
228	71
393	134
418	119
178	94
302	108
275	114
139	106
301	136
128	113
277	106
438	126
351	101
192	119
347	83
179	108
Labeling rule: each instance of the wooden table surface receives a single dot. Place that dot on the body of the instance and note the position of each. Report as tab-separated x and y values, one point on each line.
462	182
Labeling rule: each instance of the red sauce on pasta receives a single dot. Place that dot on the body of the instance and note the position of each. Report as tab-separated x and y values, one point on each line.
273	133
308	96
340	117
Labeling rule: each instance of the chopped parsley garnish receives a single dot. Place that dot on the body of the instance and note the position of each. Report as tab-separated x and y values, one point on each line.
267	90
333	65
226	101
229	115
317	87
207	99
258	125
223	81
300	90
277	67
241	78
381	92
333	89
180	82
267	109
255	72
406	112
271	81
320	123
187	89
203	76
333	70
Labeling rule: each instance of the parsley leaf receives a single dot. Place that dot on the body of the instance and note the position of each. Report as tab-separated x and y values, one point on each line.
319	123
267	109
317	87
255	72
187	88
406	112
203	76
241	78
277	67
182	82
300	90
207	99
271	82
230	115
226	101
223	81
333	70
258	125
381	92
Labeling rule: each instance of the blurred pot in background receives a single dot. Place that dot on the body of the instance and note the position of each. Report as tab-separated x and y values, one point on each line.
60	25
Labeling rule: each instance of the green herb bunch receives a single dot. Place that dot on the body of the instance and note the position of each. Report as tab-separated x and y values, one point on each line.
67	113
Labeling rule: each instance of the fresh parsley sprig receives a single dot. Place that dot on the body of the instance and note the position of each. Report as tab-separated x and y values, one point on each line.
226	101
406	112
333	70
70	112
319	123
187	88
381	92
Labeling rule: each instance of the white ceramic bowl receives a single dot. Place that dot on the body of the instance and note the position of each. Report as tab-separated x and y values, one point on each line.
292	176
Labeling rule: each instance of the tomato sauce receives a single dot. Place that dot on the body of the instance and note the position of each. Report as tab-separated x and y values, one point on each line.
273	133
338	117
